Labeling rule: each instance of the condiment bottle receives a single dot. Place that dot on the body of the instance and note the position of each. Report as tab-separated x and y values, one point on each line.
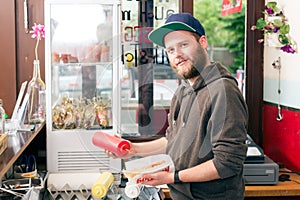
114	144
133	190
102	185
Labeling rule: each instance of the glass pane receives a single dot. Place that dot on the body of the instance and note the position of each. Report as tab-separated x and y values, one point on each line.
81	66
150	80
226	39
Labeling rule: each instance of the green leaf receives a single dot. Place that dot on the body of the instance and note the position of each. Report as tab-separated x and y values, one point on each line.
276	10
272	5
285	29
283	39
278	22
260	24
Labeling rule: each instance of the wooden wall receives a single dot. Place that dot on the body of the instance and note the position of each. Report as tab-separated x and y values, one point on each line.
17	48
7	55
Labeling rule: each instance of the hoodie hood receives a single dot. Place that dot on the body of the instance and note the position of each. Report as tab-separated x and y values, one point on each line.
209	74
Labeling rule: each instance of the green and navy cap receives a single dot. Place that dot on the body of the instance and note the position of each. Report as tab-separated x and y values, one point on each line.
176	22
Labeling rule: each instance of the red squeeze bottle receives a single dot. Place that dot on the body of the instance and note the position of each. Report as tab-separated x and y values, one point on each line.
114	144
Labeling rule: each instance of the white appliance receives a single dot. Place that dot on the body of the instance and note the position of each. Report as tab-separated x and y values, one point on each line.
82	57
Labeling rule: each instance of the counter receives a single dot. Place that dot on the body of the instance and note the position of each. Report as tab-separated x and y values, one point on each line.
17	143
287	189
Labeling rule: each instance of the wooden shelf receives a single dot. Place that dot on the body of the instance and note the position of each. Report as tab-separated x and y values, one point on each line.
17	143
281	189
286	188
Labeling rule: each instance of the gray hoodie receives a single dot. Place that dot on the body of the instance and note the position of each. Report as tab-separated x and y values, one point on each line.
209	121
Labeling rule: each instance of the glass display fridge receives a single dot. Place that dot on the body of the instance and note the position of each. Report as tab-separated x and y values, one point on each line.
81	62
102	74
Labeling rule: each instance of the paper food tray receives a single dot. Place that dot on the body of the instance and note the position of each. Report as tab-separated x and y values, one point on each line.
150	164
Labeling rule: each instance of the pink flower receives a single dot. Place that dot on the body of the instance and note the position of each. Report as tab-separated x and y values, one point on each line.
288	48
253	27
38	32
270	11
268	28
260	40
276	29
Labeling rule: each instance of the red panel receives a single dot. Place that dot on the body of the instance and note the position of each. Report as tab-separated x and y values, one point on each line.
281	139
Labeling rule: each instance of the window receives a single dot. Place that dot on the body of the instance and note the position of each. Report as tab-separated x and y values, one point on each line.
149	82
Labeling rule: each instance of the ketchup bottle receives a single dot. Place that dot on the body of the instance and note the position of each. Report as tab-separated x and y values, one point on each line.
114	144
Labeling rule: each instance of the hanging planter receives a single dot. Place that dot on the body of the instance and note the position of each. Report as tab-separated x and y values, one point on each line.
276	29
271	40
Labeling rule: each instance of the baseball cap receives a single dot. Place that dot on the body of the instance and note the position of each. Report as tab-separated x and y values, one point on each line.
175	22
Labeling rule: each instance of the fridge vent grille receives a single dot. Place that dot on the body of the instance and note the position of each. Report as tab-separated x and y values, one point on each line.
83	160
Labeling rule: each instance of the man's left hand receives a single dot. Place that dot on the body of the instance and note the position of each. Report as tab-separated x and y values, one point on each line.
158	178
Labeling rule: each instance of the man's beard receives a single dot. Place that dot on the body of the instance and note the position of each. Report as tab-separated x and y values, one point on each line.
194	72
196	65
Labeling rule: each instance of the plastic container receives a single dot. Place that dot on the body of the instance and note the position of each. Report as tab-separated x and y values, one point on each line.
102	185
114	144
147	165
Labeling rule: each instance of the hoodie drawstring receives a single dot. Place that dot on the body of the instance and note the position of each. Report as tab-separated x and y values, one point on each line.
192	96
178	103
188	108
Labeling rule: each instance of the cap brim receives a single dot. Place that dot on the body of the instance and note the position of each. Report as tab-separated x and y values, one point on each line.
157	35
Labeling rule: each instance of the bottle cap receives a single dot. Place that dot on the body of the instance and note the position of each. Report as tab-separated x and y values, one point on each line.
133	191
99	191
125	147
102	185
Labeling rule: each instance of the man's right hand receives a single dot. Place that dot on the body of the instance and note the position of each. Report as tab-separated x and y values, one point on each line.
131	153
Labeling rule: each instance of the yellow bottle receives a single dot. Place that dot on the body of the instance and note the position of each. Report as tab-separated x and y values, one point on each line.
102	185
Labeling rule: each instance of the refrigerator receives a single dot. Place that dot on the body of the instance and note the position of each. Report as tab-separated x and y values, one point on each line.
82	58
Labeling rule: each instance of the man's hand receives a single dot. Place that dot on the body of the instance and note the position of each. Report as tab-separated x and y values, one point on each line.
131	153
158	178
